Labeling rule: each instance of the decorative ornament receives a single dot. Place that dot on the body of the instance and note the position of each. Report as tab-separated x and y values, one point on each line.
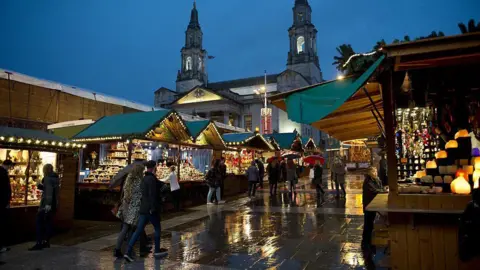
462	134
460	186
441	154
431	164
407	84
451	144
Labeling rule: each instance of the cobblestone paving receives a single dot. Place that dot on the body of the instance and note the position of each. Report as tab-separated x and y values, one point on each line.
281	232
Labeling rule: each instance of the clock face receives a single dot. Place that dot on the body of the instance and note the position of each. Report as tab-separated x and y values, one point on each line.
199	93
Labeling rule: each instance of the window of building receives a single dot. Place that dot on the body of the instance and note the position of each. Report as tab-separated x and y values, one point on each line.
300	44
188	63
247	122
300	17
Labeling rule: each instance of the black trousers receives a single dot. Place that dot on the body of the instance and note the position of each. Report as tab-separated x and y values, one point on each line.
319	189
342	186
177	198
44	226
4	217
252	188
368	221
273	188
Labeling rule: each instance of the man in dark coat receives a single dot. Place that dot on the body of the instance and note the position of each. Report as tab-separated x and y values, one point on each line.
261	171
5	196
274	174
149	210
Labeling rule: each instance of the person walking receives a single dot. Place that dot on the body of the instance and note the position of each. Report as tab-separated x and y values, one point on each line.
213	178
317	179
48	206
340	173
371	187
292	176
5	197
261	171
274	172
150	206
174	188
129	209
253	176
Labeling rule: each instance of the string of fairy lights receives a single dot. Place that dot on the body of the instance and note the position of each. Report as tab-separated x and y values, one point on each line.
33	141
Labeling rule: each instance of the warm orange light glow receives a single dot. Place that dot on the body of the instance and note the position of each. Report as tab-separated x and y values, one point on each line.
441	154
461	173
431	164
476	178
462	134
451	144
460	186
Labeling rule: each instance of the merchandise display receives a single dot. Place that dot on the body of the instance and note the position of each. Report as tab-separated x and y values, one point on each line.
187	172
238	162
24	183
103	174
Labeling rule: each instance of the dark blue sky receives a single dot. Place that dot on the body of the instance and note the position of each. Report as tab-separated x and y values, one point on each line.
131	48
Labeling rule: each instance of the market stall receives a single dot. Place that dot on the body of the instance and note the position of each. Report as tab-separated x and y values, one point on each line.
432	114
30	150
116	141
358	155
243	148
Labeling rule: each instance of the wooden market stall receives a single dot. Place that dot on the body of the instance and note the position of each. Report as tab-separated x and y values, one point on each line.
432	115
30	150
159	135
243	148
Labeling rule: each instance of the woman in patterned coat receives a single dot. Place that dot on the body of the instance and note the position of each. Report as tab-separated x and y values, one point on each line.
129	210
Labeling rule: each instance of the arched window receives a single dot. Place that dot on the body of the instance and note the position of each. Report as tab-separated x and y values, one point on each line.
200	63
188	63
300	44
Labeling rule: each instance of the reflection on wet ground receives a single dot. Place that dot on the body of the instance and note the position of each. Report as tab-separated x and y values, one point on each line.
280	232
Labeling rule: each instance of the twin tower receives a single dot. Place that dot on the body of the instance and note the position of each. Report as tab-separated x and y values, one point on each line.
302	56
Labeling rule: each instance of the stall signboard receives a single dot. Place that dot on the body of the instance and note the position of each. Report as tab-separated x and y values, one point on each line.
266	120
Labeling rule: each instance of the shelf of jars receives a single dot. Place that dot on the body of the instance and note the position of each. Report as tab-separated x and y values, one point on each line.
27	174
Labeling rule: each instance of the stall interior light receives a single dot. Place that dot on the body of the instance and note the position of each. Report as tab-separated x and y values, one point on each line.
37	142
29	141
45	142
67	144
20	140
60	144
11	139
2	138
54	143
84	146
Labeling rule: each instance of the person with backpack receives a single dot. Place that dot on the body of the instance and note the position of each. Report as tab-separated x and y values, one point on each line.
150	207
214	177
48	206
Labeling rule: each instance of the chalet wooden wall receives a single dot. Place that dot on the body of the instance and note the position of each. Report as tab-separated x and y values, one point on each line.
39	104
65	212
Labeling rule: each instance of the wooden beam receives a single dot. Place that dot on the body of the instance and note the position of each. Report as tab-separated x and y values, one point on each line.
388	107
325	125
351	126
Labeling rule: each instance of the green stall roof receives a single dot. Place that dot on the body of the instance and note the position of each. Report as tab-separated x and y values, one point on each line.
284	140
325	98
195	128
136	124
251	140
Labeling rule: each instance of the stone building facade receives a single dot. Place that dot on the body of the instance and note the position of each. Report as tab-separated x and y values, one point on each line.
237	102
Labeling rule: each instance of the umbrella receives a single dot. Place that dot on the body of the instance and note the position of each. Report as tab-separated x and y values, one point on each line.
271	159
312	159
291	156
120	177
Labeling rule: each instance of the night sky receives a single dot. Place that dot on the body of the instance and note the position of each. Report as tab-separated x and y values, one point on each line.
131	48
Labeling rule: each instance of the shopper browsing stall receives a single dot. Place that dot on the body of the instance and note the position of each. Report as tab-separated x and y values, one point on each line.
213	178
48	206
371	187
174	188
6	195
253	176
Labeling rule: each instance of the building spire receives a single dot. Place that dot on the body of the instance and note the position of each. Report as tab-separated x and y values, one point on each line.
194	17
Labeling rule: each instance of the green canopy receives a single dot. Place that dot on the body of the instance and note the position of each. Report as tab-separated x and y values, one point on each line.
313	104
284	140
196	127
122	126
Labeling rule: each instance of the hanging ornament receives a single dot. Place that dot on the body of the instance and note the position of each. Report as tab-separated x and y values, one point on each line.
407	84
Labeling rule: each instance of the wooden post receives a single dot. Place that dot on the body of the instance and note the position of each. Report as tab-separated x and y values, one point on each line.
178	163
27	175
129	149
388	108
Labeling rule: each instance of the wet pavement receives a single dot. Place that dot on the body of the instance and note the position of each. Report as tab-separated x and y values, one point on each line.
280	232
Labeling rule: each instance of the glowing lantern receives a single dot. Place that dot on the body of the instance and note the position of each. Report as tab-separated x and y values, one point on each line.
476	162
460	186
451	144
431	164
462	134
476	178
441	154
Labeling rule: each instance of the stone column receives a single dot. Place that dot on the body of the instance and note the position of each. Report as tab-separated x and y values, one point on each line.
226	117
